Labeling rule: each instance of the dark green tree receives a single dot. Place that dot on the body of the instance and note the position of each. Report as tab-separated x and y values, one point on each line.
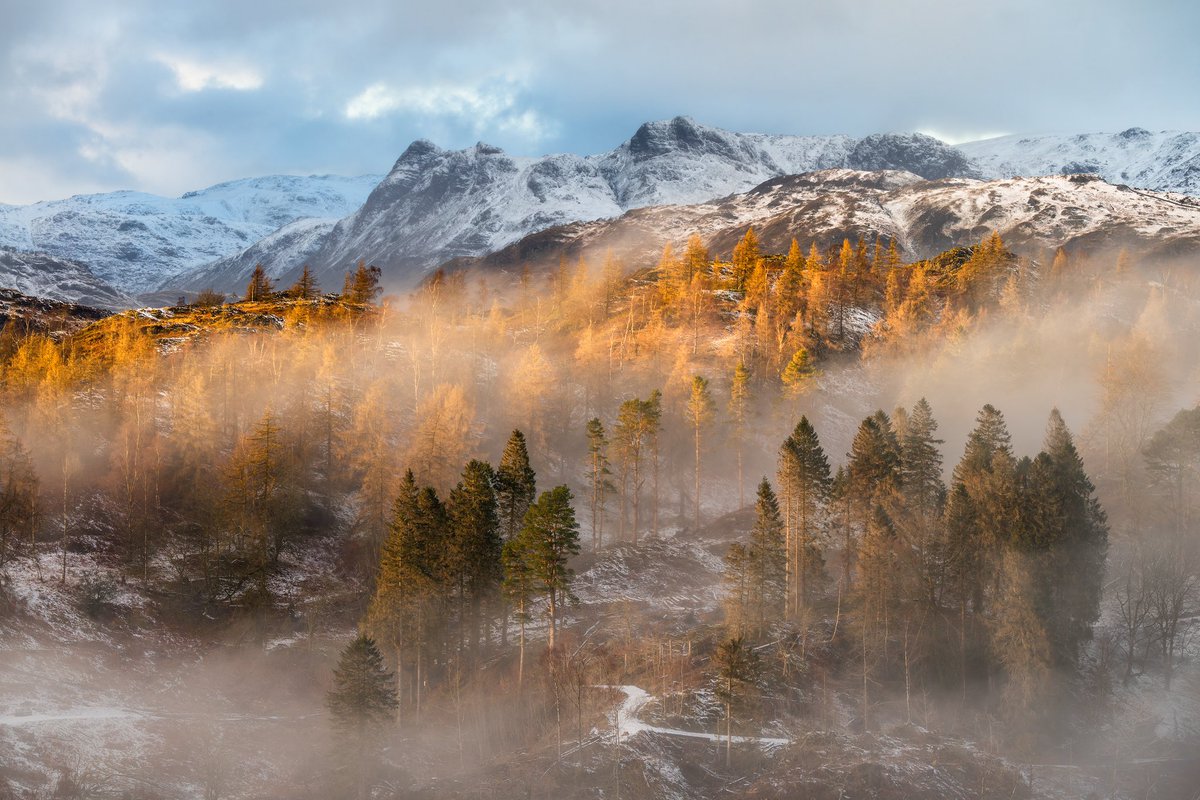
475	544
18	494
516	485
921	460
362	700
597	475
550	537
768	559
804	486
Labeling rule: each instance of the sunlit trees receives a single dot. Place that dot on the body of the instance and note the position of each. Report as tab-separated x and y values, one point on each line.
305	287
261	502
634	439
260	286
699	416
362	285
443	435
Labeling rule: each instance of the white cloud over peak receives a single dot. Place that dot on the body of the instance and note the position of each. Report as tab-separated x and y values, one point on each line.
196	76
489	105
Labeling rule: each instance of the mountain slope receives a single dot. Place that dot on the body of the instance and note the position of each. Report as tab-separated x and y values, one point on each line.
923	217
437	205
44	275
294	243
1165	161
133	240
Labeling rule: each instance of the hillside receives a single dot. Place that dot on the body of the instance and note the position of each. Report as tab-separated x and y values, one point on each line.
1034	215
134	240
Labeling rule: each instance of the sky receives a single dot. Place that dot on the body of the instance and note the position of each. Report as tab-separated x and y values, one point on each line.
169	96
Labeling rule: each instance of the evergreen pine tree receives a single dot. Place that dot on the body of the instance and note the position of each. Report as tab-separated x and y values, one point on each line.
549	538
362	700
476	543
597	474
516	484
18	494
921	461
768	559
805	485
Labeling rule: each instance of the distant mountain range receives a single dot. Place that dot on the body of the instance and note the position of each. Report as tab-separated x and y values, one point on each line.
436	205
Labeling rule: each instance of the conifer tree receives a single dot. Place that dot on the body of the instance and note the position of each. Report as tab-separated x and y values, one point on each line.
799	373
1072	529
260	286
597	474
548	540
516	485
18	493
636	438
362	700
520	589
476	543
745	258
789	291
921	461
738	667
699	414
362	286
739	408
737	577
305	287
805	486
768	559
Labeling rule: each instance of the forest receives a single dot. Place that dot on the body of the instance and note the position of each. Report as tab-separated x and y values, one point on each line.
832	497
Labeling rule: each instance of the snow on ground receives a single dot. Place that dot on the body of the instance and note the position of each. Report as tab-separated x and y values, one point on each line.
626	720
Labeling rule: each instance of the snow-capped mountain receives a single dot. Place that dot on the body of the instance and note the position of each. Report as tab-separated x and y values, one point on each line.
924	217
1167	161
437	205
44	275
133	240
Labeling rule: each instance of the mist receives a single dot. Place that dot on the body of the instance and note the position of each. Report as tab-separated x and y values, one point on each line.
166	633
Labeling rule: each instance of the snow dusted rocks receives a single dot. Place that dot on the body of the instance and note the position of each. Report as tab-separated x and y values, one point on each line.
436	205
923	217
43	275
133	240
1165	161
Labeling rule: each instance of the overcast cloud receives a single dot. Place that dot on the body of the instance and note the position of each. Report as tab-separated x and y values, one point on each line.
167	97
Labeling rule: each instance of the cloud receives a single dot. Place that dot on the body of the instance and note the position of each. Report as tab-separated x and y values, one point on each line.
959	136
195	76
169	97
490	105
